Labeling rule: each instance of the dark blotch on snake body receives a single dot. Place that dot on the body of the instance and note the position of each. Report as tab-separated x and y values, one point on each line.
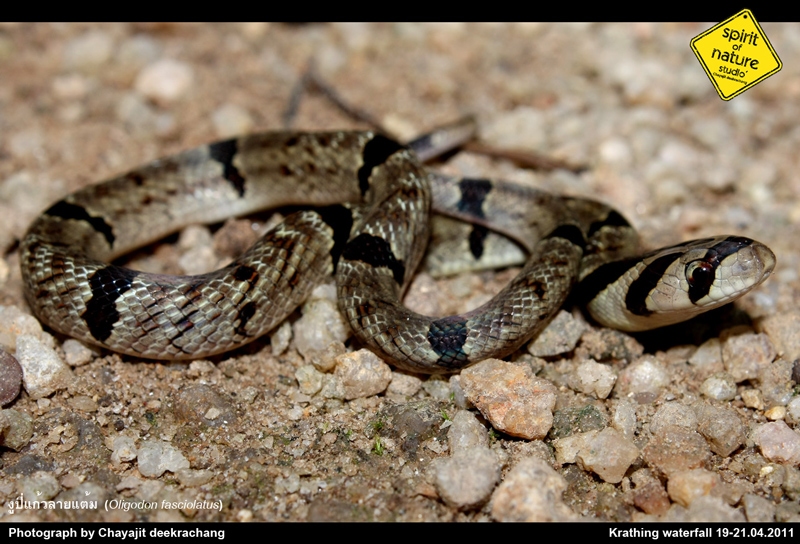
477	237
247	274
377	253
537	288
376	152
10	377
65	210
247	311
340	219
447	337
136	178
473	193
570	233
107	285
613	219
223	152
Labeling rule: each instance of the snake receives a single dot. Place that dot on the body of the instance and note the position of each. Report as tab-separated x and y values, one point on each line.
370	201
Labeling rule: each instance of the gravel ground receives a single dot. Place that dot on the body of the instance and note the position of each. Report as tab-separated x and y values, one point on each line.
695	422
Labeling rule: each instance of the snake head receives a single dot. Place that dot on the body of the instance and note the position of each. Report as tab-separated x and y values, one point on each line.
726	270
679	282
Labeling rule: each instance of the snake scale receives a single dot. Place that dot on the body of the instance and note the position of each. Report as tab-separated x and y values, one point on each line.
373	199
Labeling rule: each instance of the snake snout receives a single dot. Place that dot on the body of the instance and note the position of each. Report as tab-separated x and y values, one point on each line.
765	260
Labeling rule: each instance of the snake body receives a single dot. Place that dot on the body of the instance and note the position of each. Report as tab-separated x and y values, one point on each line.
370	226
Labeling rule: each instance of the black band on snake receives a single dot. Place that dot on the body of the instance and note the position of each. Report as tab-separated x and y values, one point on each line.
371	229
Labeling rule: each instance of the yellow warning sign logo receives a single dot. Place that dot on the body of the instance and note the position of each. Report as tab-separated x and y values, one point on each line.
736	54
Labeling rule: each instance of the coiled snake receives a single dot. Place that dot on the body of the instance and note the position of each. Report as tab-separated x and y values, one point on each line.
371	227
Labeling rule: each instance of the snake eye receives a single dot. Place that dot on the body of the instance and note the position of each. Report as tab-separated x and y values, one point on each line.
699	274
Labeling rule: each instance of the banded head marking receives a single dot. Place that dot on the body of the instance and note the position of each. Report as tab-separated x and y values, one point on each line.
676	283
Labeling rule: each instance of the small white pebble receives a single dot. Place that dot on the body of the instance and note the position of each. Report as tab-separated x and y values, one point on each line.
231	120
593	378
687	485
44	371
362	373
24	144
709	508
745	353
135	52
459	397
708	357
156	457
672	414
39	486
129	482
320	325
567	447
295	413
193	478
752	399
279	338
332	387
466	432
325	360
212	413
466	479
244	515
793	409
615	151
778	442
437	388
644	375
624	418
309	379
13	323
88	52
254	30
404	385
165	81
70	86
76	353
124	449
720	386
531	492
16	429
758	509
782	327
560	336
608	454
